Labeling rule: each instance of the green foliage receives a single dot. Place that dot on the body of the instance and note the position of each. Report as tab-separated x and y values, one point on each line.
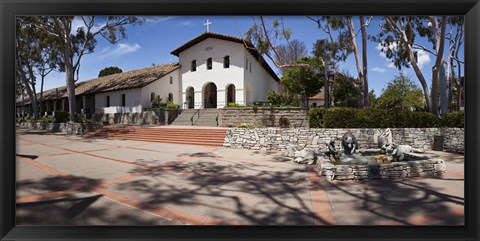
454	119
296	79
315	117
245	125
61	116
44	120
370	118
158	102
372	100
109	71
345	94
279	99
172	106
80	119
233	105
401	93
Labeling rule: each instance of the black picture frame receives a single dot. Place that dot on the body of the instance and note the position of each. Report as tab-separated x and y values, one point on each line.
10	8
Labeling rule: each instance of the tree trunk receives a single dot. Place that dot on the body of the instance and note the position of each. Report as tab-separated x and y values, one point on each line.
41	92
33	100
364	58
70	72
439	46
351	28
71	93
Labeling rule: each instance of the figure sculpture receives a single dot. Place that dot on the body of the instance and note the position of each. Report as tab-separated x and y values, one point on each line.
332	152
397	154
349	143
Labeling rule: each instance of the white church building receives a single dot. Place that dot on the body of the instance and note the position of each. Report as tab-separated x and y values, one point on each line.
212	70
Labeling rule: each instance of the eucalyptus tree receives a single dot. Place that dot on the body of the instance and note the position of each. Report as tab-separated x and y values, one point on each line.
340	47
398	37
455	40
109	71
266	41
27	55
75	43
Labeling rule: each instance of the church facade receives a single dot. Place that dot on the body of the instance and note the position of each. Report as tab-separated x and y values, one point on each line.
218	69
212	70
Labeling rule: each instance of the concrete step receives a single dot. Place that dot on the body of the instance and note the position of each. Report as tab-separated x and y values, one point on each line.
191	136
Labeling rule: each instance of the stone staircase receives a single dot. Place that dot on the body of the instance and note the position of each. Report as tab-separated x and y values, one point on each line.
202	117
189	136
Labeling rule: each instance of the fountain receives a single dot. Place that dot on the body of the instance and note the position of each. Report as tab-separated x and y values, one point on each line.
390	160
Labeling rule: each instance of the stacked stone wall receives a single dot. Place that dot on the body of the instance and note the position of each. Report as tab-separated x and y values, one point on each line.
280	138
395	170
263	116
73	129
160	117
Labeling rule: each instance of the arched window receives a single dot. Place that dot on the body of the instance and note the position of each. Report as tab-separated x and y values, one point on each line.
152	96
226	62
209	63
193	66
170	97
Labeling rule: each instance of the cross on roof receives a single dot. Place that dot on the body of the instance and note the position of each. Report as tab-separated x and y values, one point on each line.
207	24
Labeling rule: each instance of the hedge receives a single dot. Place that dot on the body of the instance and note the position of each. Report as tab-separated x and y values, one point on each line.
375	118
454	119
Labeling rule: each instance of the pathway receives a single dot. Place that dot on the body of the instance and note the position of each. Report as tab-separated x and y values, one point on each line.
93	181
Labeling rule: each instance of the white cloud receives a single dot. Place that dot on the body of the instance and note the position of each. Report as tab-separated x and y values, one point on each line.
377	69
157	19
422	58
77	22
391	65
119	50
380	47
187	23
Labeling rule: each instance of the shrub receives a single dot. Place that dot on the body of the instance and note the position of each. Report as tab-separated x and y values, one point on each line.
171	105
315	117
454	119
61	116
158	102
244	125
370	118
233	105
45	120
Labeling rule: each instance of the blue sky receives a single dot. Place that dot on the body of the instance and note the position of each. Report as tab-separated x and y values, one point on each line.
152	42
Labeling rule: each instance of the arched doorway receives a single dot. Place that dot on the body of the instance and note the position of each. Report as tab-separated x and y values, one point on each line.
210	96
231	93
190	97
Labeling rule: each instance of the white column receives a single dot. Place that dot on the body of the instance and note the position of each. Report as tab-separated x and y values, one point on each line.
63	104
221	100
198	99
55	105
46	107
240	96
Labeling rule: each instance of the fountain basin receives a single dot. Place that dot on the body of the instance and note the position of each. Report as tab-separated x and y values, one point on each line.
414	165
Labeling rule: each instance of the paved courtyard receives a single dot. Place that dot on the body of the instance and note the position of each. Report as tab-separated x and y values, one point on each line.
71	180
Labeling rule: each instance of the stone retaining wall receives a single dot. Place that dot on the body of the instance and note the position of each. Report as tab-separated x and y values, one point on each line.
420	168
280	138
160	117
263	116
72	129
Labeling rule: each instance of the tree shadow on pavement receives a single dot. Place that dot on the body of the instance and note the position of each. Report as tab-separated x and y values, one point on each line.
395	202
246	193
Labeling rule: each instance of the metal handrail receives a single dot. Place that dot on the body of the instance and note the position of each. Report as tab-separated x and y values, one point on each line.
196	112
